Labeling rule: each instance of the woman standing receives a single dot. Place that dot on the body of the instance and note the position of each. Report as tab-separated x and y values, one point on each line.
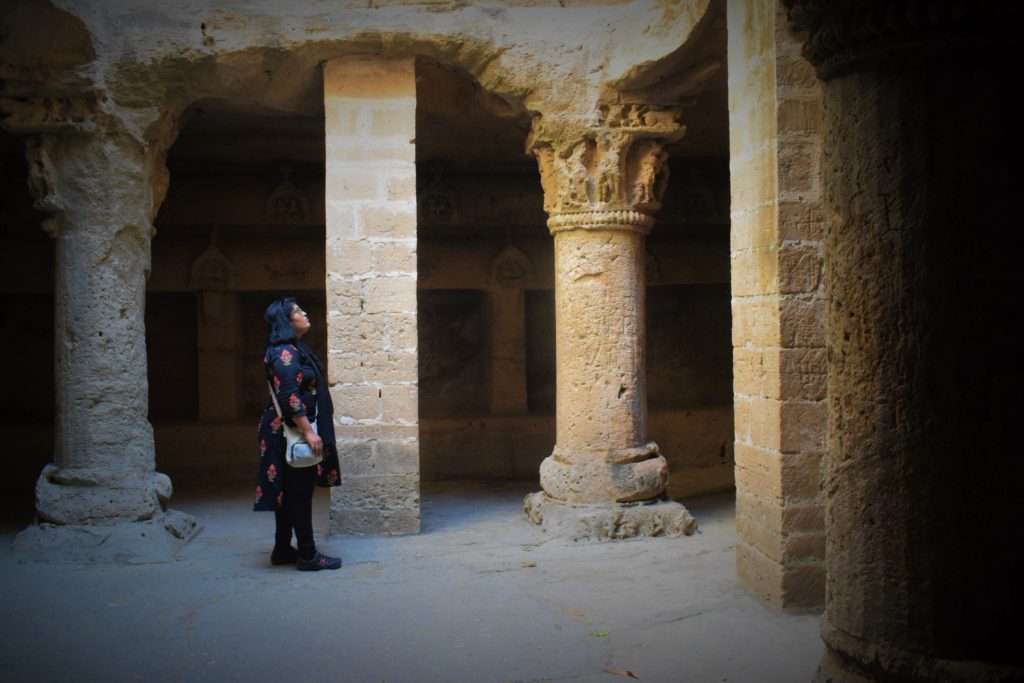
297	378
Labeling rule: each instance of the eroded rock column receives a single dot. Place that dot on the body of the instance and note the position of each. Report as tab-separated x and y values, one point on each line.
922	466
101	499
603	180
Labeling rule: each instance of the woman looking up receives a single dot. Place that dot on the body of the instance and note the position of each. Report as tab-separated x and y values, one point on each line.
297	380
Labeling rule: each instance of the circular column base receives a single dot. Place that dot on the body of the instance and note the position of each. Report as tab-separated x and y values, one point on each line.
158	539
608	521
848	659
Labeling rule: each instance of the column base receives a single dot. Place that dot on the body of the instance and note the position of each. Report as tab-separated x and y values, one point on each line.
158	539
608	521
859	661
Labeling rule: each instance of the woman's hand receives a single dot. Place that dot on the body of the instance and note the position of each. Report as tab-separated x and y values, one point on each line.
309	435
314	441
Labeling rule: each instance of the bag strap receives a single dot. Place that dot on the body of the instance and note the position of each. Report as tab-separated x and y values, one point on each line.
273	397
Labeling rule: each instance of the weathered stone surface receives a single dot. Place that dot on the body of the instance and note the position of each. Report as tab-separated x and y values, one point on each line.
608	521
99	185
778	312
598	188
109	498
158	539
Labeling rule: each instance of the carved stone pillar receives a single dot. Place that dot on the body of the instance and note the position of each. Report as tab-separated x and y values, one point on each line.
101	499
220	335
922	465
602	182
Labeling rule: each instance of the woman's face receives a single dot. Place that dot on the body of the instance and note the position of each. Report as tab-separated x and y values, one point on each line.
300	321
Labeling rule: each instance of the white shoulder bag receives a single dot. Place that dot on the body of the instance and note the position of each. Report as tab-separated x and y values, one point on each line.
298	453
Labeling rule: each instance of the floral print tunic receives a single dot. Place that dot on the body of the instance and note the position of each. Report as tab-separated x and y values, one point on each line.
294	378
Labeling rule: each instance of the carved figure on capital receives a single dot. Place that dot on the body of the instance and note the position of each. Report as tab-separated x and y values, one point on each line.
615	161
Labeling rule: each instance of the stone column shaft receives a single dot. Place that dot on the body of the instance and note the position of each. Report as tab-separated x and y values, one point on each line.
599	338
602	181
100	191
601	404
101	499
922	477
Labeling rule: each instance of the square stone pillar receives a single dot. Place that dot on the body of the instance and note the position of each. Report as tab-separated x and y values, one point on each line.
370	125
220	366
778	308
508	351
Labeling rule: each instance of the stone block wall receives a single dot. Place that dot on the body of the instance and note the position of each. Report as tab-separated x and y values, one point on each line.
370	201
779	375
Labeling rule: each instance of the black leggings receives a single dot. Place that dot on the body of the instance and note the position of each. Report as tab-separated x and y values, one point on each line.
296	511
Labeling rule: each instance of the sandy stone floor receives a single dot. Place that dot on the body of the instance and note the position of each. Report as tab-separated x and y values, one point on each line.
479	596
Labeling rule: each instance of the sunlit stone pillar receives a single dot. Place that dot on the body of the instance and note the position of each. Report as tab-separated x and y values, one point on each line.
370	136
602	181
922	465
101	498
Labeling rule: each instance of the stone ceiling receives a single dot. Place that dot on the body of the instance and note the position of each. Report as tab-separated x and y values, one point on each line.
459	121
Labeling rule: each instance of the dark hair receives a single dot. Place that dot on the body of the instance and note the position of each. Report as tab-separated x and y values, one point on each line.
279	321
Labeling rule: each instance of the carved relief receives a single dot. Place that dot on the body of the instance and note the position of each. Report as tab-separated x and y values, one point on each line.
617	163
287	204
294	270
512	268
66	116
437	201
212	270
42	183
213	274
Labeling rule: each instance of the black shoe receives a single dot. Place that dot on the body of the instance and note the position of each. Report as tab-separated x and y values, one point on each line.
317	563
286	556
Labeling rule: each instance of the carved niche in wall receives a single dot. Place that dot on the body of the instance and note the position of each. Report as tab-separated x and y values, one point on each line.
287	204
437	201
212	273
512	268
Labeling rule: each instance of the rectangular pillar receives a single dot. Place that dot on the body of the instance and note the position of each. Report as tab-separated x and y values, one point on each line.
508	351
370	126
778	307
220	365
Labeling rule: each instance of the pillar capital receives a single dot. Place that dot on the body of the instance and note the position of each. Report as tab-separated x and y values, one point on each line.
841	36
608	171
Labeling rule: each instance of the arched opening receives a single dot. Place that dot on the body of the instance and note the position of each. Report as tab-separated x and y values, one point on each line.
242	225
26	298
485	291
